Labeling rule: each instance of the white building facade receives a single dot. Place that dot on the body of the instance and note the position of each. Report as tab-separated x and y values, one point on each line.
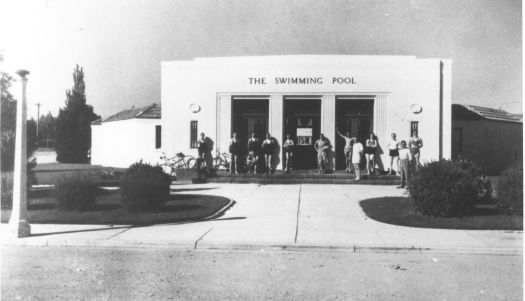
127	137
304	96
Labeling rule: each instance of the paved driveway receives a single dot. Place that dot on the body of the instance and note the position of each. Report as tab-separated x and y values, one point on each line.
302	215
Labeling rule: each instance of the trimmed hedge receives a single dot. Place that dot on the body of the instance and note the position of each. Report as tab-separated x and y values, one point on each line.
510	191
445	188
144	187
7	190
7	184
76	192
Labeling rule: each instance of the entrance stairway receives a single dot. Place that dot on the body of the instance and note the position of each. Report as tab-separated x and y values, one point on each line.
302	177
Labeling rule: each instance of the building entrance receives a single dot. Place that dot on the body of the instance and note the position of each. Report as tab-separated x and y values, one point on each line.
356	117
249	115
302	121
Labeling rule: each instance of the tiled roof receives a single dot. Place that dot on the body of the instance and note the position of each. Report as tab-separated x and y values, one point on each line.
490	113
152	111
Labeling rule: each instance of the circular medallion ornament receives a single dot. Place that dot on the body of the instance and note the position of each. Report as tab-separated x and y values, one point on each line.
415	108
195	108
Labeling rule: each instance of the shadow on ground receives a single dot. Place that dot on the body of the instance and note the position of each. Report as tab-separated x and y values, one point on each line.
108	211
401	211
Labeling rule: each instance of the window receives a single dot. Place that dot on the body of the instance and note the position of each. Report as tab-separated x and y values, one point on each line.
193	133
158	137
414	126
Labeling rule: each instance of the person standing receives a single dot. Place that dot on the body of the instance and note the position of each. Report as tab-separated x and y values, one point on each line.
347	149
202	149
405	157
321	146
370	150
415	144
268	149
235	149
357	152
253	144
288	147
393	153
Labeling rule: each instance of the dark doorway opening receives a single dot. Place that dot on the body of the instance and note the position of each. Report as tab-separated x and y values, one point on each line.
302	120
249	115
356	117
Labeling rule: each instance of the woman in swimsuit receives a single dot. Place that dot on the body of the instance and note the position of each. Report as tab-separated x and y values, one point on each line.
253	144
348	149
203	149
415	144
288	146
370	150
267	149
235	149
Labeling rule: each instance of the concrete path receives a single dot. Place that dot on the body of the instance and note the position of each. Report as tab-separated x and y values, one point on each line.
298	216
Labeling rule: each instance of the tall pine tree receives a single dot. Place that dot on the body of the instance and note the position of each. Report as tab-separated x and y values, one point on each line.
73	131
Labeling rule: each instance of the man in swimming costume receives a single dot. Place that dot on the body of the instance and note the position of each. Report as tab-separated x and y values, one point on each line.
347	150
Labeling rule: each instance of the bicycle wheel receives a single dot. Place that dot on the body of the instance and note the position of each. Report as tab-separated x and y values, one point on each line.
217	163
191	163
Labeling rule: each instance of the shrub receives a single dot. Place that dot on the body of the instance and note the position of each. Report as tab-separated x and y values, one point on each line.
75	192
7	190
7	184
444	188
510	191
144	186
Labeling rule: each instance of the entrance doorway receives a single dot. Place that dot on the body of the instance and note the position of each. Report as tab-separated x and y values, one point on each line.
356	117
249	115
302	120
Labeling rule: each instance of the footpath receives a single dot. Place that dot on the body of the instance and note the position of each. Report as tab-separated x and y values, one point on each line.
281	217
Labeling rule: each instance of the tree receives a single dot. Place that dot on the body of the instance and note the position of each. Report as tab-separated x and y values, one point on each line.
8	125
73	131
47	131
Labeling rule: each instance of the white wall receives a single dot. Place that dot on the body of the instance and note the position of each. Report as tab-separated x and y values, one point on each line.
404	79
122	143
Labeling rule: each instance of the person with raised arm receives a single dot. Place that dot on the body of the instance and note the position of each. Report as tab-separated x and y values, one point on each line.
347	149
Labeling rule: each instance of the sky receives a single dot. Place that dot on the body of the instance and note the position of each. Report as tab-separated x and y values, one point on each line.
121	43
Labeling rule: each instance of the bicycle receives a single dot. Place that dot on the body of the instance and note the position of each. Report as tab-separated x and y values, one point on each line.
178	162
221	160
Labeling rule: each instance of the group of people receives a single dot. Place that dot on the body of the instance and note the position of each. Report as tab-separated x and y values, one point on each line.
405	158
402	159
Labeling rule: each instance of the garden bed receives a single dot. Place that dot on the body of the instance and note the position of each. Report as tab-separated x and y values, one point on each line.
401	211
107	211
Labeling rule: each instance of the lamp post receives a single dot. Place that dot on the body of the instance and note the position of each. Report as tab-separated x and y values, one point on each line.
18	224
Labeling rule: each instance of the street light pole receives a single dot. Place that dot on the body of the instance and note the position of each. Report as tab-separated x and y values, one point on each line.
37	120
18	223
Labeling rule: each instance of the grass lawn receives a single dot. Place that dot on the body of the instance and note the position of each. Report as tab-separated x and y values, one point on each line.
401	211
179	207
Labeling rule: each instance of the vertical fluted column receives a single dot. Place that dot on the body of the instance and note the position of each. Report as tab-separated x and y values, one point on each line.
18	223
380	129
328	125
275	123
224	121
